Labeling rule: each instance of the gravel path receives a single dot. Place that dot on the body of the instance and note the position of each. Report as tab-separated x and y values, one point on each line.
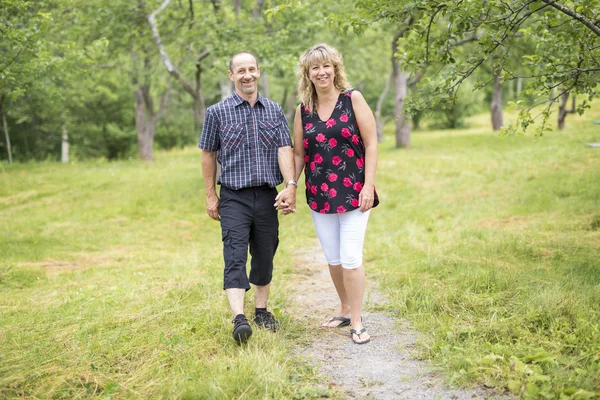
381	369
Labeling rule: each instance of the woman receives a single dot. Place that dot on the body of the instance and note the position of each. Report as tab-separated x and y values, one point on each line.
339	155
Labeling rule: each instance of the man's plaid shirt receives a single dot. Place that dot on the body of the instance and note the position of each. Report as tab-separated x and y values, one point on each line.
246	140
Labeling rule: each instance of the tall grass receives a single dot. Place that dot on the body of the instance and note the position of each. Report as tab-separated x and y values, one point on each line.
493	251
111	273
111	285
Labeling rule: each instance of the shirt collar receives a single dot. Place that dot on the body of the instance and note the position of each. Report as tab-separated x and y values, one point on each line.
238	100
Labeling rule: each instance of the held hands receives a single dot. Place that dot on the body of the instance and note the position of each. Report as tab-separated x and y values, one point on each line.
212	207
286	200
366	198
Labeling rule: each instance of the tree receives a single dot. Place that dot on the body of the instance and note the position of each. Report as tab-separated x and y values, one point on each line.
26	55
566	55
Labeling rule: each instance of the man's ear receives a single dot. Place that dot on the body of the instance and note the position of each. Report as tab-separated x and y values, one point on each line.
230	74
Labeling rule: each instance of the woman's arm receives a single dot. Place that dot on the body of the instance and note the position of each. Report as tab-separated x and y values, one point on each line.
368	133
298	144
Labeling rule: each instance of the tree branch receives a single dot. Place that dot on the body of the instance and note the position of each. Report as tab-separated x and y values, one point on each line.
163	54
163	104
575	15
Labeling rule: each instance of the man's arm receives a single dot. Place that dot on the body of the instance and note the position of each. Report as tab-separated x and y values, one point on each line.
209	172
286	199
210	144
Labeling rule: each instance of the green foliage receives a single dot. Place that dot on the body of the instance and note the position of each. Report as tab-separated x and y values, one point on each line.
551	47
452	115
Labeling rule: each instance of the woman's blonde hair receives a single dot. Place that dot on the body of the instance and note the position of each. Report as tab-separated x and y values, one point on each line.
317	54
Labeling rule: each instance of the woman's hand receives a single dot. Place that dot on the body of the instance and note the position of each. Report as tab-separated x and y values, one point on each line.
366	198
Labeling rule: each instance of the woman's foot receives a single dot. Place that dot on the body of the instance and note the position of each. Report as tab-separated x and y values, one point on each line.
360	336
336	322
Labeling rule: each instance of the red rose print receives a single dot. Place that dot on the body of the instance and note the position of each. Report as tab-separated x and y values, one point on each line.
313	205
323	211
332	177
324	187
354	139
358	186
321	138
350	153
347	182
313	166
336	160
318	158
326	206
332	142
313	189
306	109
346	133
360	162
306	158
305	143
354	202
307	185
330	122
308	126
341	209
332	192
344	118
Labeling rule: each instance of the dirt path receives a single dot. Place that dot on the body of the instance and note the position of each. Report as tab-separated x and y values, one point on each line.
381	369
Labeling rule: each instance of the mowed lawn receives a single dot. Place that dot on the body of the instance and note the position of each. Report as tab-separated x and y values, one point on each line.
111	272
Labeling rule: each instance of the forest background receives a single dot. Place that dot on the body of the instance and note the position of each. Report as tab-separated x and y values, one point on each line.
88	79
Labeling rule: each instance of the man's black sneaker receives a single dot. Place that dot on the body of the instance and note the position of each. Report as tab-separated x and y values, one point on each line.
241	329
266	320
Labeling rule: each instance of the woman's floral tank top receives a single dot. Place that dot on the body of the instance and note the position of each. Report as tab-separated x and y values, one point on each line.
334	157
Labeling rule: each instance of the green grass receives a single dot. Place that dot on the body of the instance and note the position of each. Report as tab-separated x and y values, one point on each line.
111	273
495	255
111	285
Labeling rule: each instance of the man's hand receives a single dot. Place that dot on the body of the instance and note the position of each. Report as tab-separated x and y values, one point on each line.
286	200
212	207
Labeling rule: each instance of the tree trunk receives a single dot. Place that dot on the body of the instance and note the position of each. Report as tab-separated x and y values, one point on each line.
143	124
496	105
264	84
412	85
519	87
562	109
195	92
400	88
402	123
290	109
7	136
146	119
64	153
380	122
199	103
257	13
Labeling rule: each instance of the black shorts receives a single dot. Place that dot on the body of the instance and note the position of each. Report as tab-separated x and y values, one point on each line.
248	219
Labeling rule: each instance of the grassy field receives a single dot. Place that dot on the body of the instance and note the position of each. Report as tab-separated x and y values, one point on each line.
111	273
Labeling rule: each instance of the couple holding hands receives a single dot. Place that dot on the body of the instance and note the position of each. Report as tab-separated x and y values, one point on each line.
336	146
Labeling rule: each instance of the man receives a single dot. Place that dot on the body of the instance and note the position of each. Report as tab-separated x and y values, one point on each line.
249	136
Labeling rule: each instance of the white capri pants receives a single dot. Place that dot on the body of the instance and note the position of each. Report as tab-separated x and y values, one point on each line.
342	236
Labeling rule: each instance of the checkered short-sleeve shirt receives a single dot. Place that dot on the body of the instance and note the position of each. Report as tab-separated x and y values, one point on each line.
246	140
